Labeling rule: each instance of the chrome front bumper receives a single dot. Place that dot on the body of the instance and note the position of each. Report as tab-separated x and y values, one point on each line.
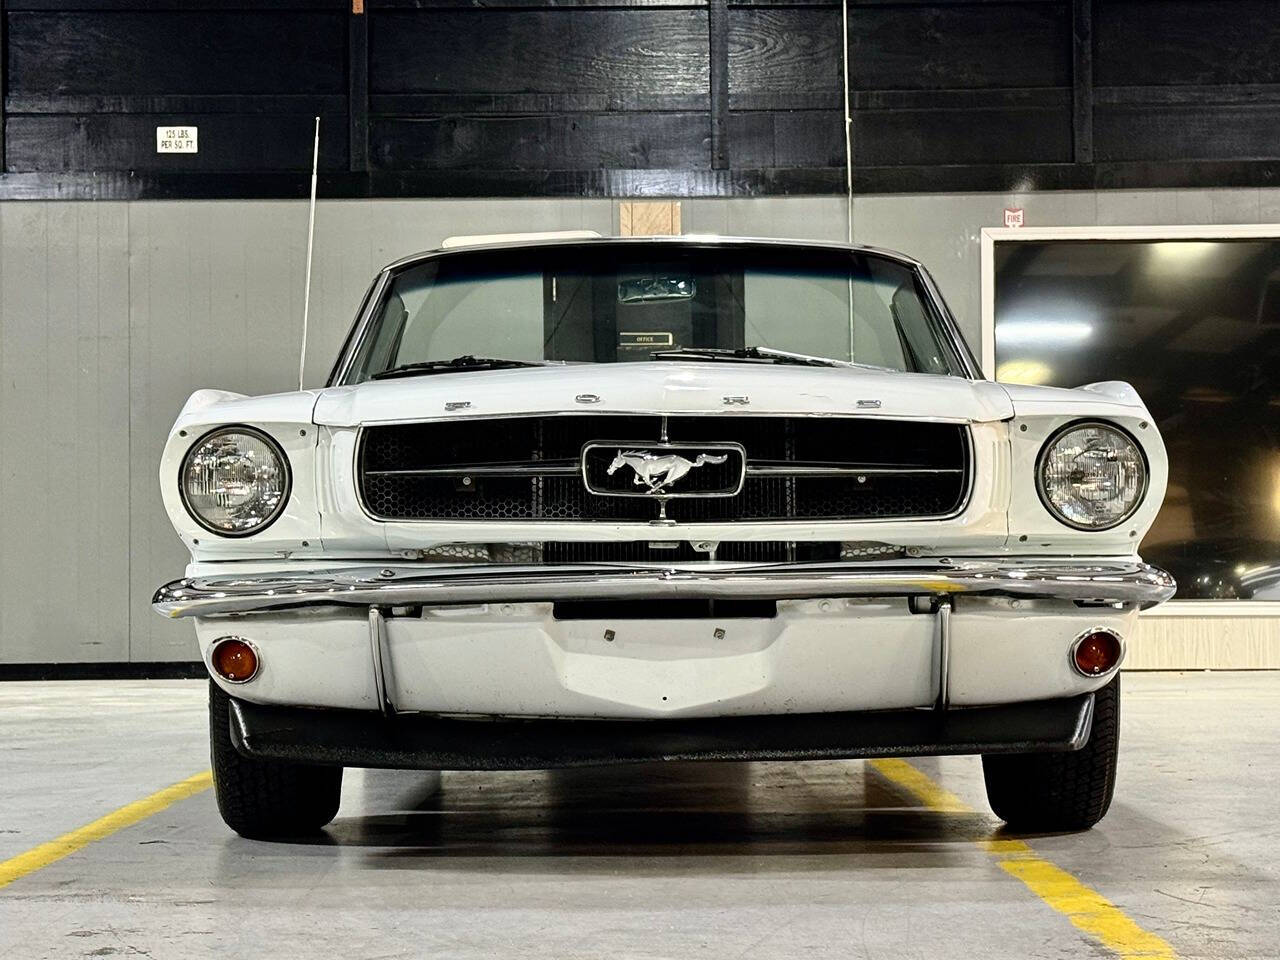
1095	582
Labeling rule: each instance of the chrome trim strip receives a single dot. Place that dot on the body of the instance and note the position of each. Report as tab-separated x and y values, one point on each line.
531	469
1120	581
552	467
655	412
842	470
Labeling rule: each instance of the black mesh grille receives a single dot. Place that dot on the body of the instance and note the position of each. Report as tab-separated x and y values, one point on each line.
738	551
528	468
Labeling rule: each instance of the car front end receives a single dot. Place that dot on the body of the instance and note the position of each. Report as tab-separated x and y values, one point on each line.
708	550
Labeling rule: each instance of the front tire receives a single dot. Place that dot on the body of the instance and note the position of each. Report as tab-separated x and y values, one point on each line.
266	799
1055	792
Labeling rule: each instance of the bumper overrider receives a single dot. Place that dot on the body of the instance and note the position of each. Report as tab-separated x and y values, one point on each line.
391	666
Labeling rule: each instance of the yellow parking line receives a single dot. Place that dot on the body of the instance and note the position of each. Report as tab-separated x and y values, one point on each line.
67	844
1089	910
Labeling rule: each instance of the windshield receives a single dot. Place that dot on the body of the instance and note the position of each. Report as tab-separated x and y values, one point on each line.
611	303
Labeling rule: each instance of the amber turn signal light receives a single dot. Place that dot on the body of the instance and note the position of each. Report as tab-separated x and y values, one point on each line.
1096	652
234	659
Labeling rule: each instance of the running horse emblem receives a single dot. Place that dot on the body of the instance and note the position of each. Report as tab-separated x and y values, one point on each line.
659	472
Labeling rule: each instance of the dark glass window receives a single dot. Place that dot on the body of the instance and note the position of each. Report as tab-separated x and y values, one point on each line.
1194	325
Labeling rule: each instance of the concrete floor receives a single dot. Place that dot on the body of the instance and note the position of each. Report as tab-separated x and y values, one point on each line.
814	860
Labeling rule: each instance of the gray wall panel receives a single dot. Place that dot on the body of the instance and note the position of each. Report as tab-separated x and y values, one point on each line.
159	370
64	437
944	233
89	433
216	301
112	313
813	218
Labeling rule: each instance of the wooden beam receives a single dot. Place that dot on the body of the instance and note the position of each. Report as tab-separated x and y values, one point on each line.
1082	80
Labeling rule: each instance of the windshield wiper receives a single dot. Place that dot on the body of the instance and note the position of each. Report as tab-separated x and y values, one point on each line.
467	362
757	354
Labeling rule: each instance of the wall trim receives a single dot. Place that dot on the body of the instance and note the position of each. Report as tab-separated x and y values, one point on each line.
621	183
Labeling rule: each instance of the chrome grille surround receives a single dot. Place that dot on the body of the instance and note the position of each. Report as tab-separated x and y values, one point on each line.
529	468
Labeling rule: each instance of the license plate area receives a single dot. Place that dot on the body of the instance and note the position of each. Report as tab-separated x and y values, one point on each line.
665	609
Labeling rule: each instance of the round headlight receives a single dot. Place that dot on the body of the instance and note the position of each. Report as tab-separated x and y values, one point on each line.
234	481
1092	475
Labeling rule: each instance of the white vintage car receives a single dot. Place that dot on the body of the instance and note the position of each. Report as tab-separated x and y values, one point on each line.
587	501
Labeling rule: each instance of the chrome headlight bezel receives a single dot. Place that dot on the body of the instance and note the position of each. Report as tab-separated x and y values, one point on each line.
1115	428
276	449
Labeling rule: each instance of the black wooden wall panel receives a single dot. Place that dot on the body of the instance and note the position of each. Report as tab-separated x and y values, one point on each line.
563	50
176	52
785	55
785	102
959	84
86	89
1018	135
1205	87
635	97
787	139
959	45
1197	131
228	142
631	140
1156	42
568	88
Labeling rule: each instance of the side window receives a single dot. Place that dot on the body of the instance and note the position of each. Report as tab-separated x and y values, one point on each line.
917	332
875	330
446	320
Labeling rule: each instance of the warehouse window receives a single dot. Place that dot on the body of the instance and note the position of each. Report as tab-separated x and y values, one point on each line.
1194	325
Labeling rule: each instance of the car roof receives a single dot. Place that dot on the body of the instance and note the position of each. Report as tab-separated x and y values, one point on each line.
700	241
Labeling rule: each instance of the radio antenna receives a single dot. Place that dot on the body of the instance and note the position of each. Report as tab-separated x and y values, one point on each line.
311	234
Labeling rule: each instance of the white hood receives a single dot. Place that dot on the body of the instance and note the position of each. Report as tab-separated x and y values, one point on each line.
666	387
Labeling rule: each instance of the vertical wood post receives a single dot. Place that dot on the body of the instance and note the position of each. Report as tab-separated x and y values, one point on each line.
641	218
